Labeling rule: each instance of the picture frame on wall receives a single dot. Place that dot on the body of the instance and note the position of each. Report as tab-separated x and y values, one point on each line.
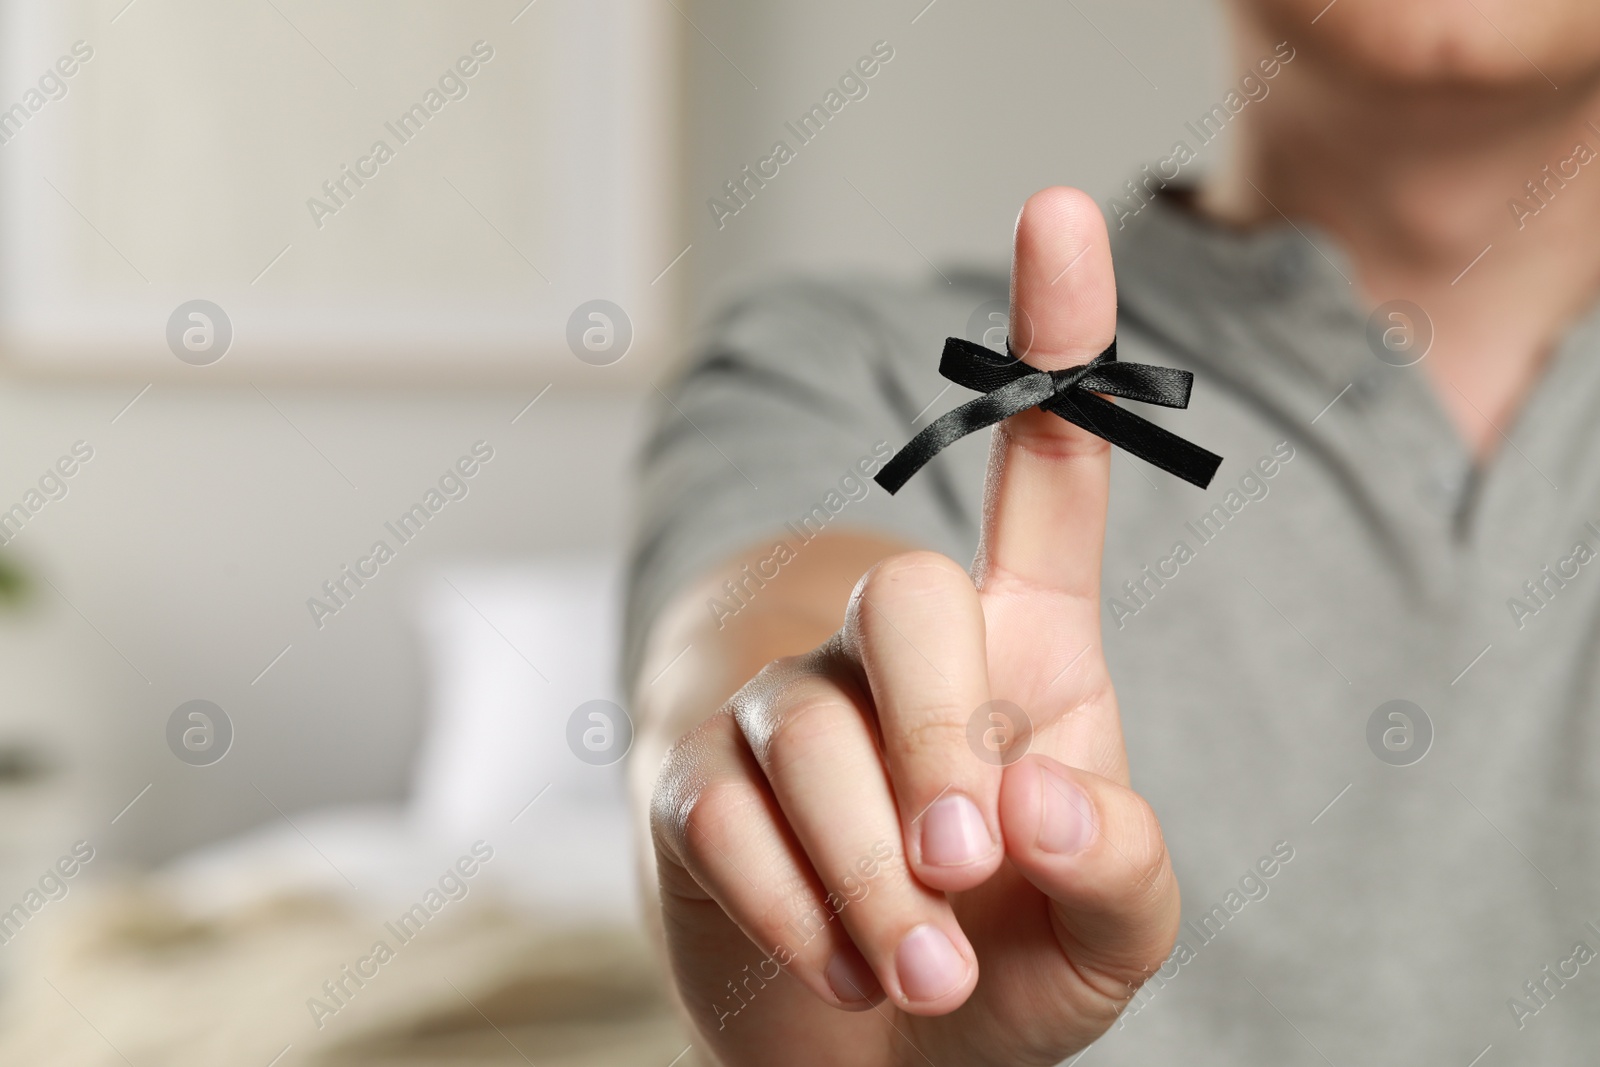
479	190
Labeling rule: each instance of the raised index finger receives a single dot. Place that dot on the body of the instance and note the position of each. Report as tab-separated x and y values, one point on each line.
1045	496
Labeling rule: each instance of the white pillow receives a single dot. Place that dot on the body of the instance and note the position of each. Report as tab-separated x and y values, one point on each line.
512	651
496	739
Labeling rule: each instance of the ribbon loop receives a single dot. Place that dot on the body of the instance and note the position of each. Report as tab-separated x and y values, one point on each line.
1010	386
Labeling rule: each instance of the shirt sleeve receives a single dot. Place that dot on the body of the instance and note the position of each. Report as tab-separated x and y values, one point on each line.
790	394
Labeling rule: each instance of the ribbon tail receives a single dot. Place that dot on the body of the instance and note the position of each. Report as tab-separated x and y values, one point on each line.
1135	435
953	425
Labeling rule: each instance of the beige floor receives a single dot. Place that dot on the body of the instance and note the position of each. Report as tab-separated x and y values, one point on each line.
115	977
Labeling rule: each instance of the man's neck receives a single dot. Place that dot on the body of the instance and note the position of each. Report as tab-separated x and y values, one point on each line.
1419	187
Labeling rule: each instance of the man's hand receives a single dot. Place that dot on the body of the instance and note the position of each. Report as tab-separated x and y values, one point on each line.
843	879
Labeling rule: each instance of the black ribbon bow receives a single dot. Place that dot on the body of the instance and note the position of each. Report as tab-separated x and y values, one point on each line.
1011	386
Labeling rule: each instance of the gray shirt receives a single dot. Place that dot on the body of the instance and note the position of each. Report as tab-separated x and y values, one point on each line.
1364	882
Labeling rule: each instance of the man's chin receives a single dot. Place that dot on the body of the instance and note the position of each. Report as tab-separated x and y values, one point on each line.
1493	45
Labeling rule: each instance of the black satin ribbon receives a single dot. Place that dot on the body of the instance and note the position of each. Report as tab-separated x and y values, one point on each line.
1011	386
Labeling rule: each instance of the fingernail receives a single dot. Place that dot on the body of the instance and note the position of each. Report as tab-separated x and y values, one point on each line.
954	833
928	964
851	980
1067	823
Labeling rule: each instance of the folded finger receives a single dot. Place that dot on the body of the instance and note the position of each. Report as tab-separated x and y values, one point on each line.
722	840
916	624
820	757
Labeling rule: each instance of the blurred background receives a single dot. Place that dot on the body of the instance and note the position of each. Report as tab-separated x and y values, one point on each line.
271	337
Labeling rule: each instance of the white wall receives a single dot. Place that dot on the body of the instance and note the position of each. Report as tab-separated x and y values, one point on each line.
983	104
191	542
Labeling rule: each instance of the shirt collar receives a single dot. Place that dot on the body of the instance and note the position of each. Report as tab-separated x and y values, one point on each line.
1281	295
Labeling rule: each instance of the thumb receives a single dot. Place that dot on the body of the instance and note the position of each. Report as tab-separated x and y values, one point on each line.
1045	506
1094	847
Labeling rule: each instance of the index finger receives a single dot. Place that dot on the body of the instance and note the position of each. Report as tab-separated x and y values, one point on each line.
1045	495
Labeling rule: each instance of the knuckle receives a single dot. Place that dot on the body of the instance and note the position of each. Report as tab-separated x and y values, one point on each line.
904	593
777	671
667	801
808	722
1110	989
895	879
754	700
793	916
786	687
782	899
712	817
688	766
912	575
925	736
